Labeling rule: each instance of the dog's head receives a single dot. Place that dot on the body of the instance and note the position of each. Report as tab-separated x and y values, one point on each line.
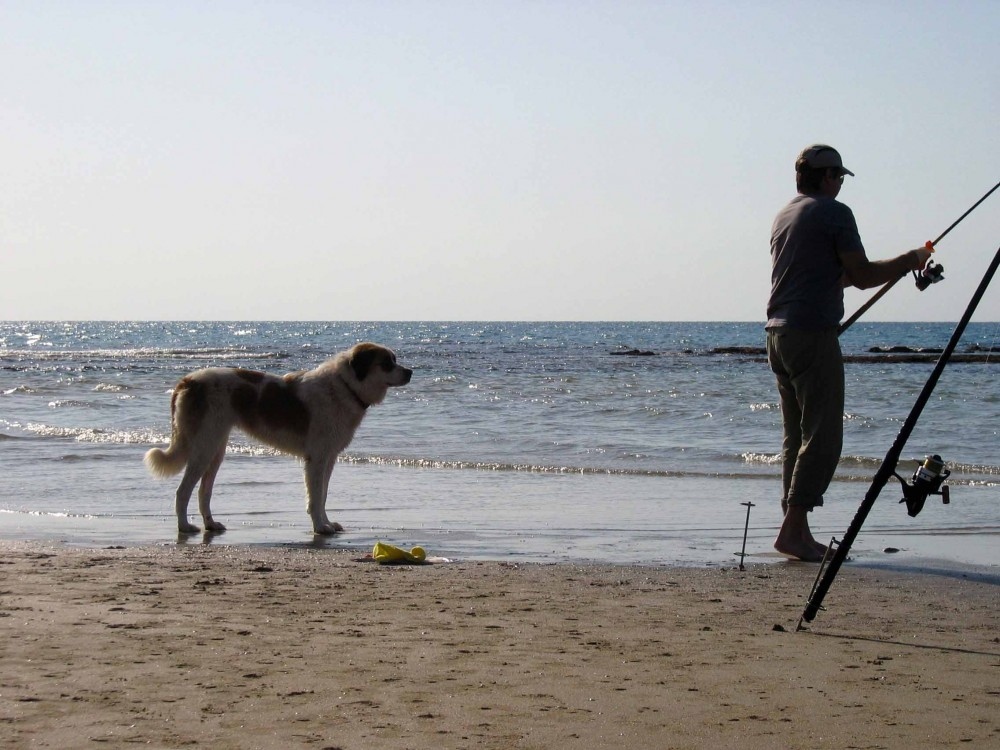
376	370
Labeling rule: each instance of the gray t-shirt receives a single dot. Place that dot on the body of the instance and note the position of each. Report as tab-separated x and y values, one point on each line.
806	287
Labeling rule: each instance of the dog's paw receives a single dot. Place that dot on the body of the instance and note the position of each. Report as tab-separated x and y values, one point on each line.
327	528
185	527
214	526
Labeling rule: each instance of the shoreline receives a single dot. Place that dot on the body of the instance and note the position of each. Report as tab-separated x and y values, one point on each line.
265	646
919	553
945	551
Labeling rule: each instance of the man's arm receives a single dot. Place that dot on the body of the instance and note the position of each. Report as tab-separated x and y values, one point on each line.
865	274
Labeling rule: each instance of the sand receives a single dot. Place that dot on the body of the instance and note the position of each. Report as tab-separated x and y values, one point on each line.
253	647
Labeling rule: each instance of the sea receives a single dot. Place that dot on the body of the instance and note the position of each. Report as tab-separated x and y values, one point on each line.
652	443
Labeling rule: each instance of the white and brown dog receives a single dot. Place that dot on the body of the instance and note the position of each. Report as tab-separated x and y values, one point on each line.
311	414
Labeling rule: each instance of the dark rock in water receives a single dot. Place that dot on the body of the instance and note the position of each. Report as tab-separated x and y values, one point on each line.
868	359
749	350
891	550
634	353
905	350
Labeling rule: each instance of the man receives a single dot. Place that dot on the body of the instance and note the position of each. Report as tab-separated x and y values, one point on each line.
815	252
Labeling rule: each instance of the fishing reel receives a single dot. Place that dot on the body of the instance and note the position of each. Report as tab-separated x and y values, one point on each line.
931	273
927	480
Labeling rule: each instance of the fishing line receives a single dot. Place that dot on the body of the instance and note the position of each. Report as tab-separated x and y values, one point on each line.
993	343
926	481
930	266
991	348
982	374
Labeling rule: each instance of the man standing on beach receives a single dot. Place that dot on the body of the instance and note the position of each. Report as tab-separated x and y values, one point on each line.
815	252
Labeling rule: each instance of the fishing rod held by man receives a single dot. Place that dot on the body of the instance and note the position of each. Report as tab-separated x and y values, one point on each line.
935	274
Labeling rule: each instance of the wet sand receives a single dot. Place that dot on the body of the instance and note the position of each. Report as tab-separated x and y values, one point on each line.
268	647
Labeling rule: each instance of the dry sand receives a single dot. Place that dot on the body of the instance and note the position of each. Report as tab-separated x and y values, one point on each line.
236	647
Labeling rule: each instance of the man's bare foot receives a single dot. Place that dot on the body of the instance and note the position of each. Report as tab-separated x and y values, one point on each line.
805	547
795	540
800	551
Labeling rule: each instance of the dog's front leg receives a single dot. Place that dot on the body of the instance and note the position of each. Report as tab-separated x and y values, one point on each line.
318	471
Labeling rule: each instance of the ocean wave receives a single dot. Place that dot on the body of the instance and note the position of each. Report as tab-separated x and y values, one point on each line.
530	468
767	459
17	389
111	387
53	514
147	437
140	353
94	434
60	403
852	468
860	462
973	354
73	458
908	465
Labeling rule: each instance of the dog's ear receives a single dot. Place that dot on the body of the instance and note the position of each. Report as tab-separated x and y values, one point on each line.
362	359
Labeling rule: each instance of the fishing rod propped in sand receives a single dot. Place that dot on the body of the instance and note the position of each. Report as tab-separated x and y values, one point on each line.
926	481
931	273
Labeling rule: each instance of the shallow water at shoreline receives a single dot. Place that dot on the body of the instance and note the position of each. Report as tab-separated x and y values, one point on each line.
514	441
515	517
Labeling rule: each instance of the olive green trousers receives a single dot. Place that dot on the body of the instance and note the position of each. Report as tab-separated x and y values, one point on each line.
809	368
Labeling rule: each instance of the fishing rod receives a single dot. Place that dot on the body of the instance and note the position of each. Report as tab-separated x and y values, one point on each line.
926	481
932	273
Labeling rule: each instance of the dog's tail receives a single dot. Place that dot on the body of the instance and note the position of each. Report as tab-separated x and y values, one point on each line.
165	463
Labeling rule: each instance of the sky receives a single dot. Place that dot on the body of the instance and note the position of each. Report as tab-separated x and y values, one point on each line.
479	160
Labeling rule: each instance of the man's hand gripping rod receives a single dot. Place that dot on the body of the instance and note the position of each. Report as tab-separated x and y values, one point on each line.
889	285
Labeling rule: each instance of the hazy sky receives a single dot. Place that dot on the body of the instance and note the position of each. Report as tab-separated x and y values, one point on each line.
410	160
